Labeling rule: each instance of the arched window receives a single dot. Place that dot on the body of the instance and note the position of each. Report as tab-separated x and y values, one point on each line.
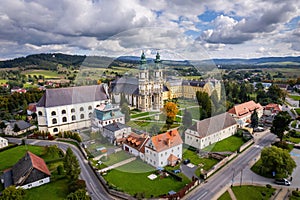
64	119
90	108
81	109
82	116
53	113
40	113
55	130
63	112
73	117
73	110
54	121
90	115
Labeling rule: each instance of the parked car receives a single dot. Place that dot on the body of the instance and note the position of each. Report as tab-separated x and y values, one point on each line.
186	161
282	181
176	171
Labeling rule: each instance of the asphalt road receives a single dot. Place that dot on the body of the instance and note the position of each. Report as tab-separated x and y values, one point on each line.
227	175
94	187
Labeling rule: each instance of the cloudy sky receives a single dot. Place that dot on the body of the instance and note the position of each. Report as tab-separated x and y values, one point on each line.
188	28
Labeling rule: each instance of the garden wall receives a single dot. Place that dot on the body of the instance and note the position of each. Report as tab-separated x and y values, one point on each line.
247	144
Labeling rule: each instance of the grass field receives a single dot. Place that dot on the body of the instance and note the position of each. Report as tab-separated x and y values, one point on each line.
246	192
132	178
11	156
294	97
116	157
297	110
232	144
54	190
225	196
45	73
196	160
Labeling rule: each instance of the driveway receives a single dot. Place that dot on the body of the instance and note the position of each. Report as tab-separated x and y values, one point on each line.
187	171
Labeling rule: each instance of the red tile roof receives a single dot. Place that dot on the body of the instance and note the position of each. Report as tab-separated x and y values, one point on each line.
273	107
166	140
137	141
39	163
244	109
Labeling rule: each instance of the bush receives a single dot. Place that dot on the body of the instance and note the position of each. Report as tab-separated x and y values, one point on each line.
296	193
269	186
282	145
60	169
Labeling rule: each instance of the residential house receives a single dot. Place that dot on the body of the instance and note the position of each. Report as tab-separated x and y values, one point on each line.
211	130
30	171
135	144
272	109
116	132
71	108
23	126
107	113
242	112
3	142
164	149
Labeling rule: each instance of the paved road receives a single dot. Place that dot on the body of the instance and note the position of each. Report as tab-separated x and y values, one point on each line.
94	187
227	175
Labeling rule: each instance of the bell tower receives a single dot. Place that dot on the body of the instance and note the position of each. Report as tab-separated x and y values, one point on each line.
158	83
143	84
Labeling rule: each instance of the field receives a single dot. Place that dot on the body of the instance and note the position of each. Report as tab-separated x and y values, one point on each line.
45	73
196	160
232	144
132	179
246	192
294	97
288	72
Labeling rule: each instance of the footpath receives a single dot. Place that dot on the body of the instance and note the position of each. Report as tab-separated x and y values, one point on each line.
117	164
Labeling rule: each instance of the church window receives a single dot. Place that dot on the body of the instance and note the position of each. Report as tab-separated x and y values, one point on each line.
90	108
64	119
73	117
54	121
72	110
53	113
55	130
81	109
63	112
82	116
40	113
90	115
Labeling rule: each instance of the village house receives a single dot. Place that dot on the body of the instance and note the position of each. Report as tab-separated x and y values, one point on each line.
69	108
272	109
3	142
21	125
30	171
242	112
107	113
210	130
164	149
116	132
135	144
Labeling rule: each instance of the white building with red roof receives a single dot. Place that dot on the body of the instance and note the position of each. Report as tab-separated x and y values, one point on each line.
30	171
272	109
135	144
164	149
242	112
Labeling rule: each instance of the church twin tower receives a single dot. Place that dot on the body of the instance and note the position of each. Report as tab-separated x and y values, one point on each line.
150	84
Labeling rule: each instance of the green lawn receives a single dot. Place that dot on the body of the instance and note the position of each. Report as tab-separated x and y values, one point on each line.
225	196
139	115
294	123
297	110
247	192
292	139
294	97
132	178
116	157
196	160
231	143
11	156
53	190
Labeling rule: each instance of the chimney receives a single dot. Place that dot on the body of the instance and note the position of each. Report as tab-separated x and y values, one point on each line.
169	142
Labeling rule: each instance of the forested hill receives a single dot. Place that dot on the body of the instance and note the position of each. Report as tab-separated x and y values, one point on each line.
43	61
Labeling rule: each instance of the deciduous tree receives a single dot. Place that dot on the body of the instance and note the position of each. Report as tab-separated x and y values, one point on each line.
281	124
12	192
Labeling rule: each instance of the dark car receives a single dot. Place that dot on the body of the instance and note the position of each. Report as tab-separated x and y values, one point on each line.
186	161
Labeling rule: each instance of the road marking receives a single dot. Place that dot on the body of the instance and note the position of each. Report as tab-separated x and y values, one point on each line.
257	146
203	195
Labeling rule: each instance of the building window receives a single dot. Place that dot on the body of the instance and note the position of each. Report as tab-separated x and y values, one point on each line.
53	113
81	109
90	115
64	119
63	112
161	163
82	116
41	181
55	130
54	121
40	113
73	117
72	110
90	108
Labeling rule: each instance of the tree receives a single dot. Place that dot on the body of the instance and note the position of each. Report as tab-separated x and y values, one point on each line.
12	192
16	128
126	111
277	160
187	119
79	194
281	124
254	119
170	109
204	102
71	165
